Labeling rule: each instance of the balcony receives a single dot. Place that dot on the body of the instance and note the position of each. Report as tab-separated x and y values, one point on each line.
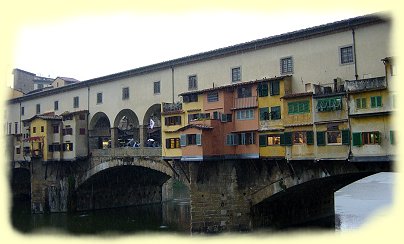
169	108
245	102
366	84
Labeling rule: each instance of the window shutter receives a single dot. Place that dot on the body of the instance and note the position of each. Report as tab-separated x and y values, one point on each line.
264	112
282	139
363	103
320	138
263	140
264	90
372	102
183	140
345	137
392	139
224	118
379	101
228	140
166	121
235	139
198	139
358	103
288	138
357	138
378	137
310	137
252	138
168	143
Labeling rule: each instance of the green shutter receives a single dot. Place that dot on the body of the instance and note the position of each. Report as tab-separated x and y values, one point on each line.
363	103
372	102
357	138
392	140
264	112
378	137
310	138
378	101
263	89
198	139
183	140
320	138
358	103
288	138
345	137
263	140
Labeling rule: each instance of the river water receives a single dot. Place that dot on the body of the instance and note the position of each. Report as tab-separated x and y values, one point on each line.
354	205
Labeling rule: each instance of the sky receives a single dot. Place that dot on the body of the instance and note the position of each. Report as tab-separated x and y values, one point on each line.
86	47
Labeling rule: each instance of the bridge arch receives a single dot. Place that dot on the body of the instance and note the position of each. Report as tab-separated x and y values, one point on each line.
152	124
126	127
99	131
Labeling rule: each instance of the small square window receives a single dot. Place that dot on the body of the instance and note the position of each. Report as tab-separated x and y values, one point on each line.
235	74
346	55
125	93
156	87
192	82
99	97
286	65
42	129
82	131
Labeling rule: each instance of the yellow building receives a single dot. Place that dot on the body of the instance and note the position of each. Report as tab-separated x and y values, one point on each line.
298	121
271	116
42	134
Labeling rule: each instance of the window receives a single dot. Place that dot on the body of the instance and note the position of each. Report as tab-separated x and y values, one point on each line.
346	55
226	118
82	131
75	102
190	139
245	114
56	105
16	128
298	107
38	108
125	93
9	128
82	116
245	138
68	146
173	120
193	117
55	129
18	150
54	148
99	97
274	88
67	131
366	138
264	113
263	89
192	82
173	143
334	137
286	65
33	130
213	96
235	74
392	139
273	140
190	98
231	139
244	92
329	104
42	129
360	103
275	113
376	102
22	111
156	87
303	137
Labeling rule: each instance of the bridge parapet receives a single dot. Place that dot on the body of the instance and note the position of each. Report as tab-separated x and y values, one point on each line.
127	151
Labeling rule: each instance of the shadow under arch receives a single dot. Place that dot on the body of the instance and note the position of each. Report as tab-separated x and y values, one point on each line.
99	131
152	125
126	128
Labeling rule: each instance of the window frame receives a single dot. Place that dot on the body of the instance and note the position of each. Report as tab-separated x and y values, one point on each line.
342	57
242	114
156	88
328	133
125	93
296	106
286	65
235	74
212	96
376	101
192	82
361	103
76	102
38	108
99	98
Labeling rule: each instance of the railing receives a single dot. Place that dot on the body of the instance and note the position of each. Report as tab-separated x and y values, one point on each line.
127	151
171	107
366	84
245	102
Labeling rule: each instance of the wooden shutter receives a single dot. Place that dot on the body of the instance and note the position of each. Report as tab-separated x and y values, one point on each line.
263	140
264	112
372	102
320	138
183	140
168	143
282	139
345	134
198	139
392	139
357	139
288	138
310	137
379	101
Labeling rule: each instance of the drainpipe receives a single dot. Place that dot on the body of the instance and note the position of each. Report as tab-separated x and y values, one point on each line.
349	124
88	121
354	53
172	82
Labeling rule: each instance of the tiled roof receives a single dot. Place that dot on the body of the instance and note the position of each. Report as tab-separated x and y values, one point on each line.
293	95
68	79
196	126
44	117
298	35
